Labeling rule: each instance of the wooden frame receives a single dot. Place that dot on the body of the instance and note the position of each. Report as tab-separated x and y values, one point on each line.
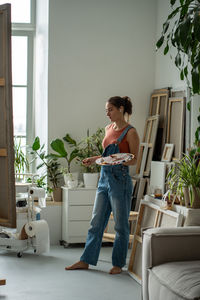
167	152
7	177
159	106
150	215
175	128
110	237
148	141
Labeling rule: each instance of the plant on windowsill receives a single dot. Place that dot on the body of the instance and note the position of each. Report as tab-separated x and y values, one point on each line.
70	178
51	167
22	164
181	30
88	147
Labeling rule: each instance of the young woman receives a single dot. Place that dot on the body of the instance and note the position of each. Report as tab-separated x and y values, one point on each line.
115	188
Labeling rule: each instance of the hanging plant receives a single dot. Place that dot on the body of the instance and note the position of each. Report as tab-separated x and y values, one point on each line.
181	31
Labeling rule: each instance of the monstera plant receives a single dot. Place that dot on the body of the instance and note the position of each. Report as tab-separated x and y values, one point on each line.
181	31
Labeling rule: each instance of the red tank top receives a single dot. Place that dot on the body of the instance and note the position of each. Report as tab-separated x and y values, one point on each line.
112	136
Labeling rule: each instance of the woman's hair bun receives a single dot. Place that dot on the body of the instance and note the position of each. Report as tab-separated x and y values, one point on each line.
122	101
127	105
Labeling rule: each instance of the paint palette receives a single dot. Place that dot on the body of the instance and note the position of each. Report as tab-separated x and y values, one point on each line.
114	159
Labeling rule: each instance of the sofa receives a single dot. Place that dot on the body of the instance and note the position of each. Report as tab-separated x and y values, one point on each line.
171	263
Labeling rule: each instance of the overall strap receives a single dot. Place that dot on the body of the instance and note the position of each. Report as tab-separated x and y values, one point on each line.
124	133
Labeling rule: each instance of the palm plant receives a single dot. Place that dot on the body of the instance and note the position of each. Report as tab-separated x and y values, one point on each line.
185	174
21	160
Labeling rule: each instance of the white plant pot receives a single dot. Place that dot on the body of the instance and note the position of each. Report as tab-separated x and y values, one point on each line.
72	184
70	177
90	179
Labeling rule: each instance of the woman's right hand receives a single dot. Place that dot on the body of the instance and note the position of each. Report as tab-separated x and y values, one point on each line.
89	161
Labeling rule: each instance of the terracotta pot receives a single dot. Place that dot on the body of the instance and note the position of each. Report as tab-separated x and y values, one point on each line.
57	194
186	196
196	197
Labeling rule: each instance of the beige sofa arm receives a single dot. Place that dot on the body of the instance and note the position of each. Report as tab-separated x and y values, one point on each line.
162	245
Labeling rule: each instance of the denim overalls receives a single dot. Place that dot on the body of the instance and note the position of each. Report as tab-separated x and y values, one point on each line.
113	194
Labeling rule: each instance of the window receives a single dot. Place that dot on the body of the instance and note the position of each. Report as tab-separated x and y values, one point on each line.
23	31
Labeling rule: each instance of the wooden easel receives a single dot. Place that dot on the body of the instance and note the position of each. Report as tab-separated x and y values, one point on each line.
147	146
175	128
110	237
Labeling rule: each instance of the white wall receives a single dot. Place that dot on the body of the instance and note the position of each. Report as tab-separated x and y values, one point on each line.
98	49
166	73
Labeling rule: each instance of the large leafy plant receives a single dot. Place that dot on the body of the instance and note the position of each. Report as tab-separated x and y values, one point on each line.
48	161
58	146
181	30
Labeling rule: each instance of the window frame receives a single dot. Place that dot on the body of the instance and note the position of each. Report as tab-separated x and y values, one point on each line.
28	30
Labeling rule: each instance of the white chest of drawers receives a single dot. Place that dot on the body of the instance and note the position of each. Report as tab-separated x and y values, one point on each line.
77	209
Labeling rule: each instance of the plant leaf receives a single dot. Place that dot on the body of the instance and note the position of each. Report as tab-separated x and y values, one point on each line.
36	144
73	154
182	75
197	25
165	27
189	105
178	59
166	49
195	81
67	138
173	13
186	71
172	2
184	31
58	146
160	42
40	166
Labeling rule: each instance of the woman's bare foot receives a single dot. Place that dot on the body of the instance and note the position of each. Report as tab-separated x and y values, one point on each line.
78	266
115	270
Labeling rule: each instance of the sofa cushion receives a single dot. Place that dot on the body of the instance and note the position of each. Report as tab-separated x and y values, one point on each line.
181	278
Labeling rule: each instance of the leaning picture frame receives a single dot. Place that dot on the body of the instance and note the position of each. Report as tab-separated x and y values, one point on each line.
167	152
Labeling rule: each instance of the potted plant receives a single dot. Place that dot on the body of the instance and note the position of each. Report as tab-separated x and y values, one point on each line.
184	177
58	146
91	146
21	161
51	165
